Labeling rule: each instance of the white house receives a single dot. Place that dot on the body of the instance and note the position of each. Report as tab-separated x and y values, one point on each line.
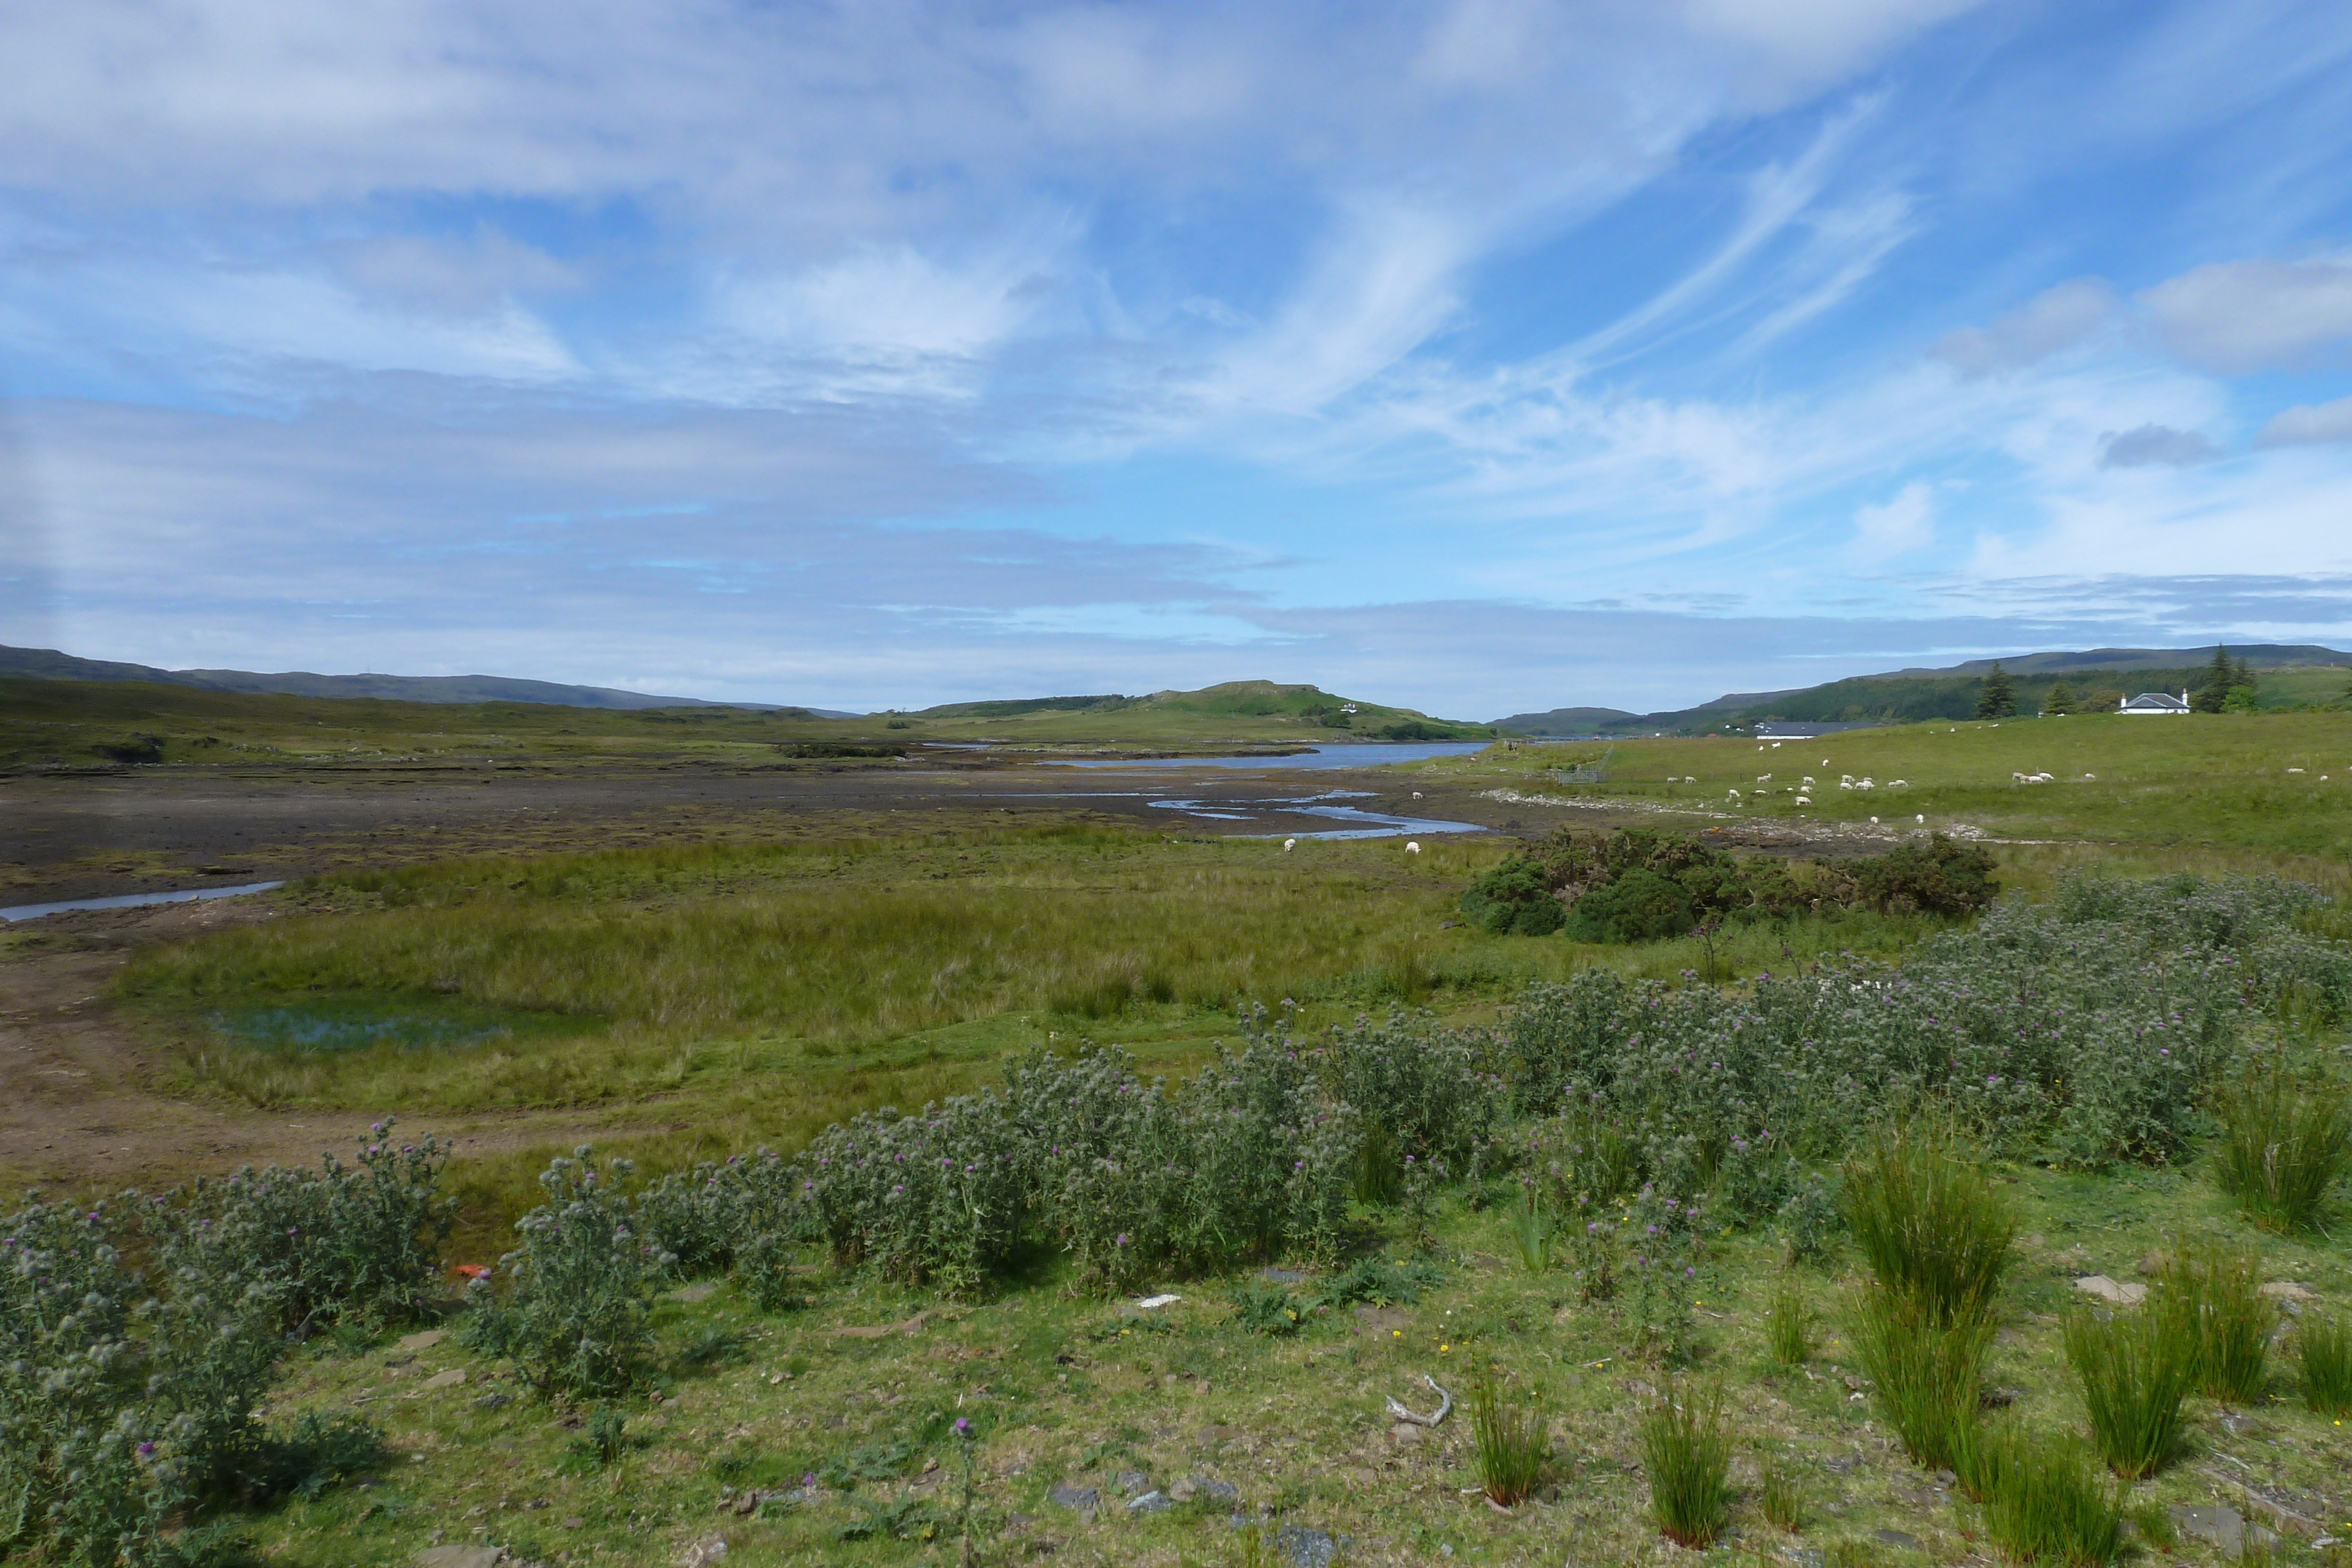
2156	702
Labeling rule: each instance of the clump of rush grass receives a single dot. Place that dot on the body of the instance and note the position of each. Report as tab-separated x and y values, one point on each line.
1932	1226
2324	1346
1983	1455
2215	1294
2134	1370
1688	1458
1788	1328
1783	1500
1509	1433
1928	1369
2285	1138
1534	1232
2052	1506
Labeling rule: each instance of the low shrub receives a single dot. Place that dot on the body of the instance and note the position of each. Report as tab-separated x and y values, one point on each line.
2212	1297
1377	1281
765	1267
2134	1370
2287	1138
1941	877
1261	1307
936	1199
1933	1229
358	1243
1688	1459
572	1314
2049	1505
1514	897
1926	1363
1639	905
2324	1348
1512	1444
1811	1221
1432	1092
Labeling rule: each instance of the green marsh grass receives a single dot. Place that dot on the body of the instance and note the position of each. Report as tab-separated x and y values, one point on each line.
2213	1295
2052	1506
1788	1328
1927	1366
2135	1371
1687	1456
2323	1348
1930	1223
1512	1444
1782	1497
2286	1139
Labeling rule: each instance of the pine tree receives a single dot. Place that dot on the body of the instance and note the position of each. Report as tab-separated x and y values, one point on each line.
1999	698
2059	700
2220	676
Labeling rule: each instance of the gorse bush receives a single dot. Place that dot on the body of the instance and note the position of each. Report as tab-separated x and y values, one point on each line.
569	1307
2134	1370
1688	1458
1515	896
2212	1296
2287	1138
1508	1431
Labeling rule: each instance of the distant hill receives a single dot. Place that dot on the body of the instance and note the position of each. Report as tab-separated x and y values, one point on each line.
1234	700
1918	696
50	664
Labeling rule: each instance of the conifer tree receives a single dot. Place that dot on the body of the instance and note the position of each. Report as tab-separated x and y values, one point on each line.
2059	700
1999	698
2220	674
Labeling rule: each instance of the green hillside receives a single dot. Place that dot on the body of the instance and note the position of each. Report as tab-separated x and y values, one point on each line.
84	723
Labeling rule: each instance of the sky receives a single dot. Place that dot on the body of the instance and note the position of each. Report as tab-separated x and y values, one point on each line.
1482	355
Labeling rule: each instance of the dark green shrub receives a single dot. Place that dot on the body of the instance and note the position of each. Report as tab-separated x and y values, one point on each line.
1640	905
1512	1445
1942	878
1688	1459
573	1315
2134	1370
1514	897
2285	1140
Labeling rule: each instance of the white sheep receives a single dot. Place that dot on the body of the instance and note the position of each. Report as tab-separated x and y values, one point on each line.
1416	794
2295	770
1688	779
1804	800
1865	784
1874	821
1763	778
1288	845
1733	795
1899	783
1808	781
2093	778
1412	847
1921	819
1776	745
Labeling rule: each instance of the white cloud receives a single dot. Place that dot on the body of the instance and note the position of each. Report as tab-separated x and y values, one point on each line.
2308	424
2048	323
1809	41
1905	521
2236	316
2155	445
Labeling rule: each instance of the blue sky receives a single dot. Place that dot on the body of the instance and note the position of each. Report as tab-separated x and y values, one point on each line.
1481	355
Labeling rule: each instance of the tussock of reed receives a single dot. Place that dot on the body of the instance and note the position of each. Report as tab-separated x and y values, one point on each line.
1931	1226
1508	1429
2287	1138
2214	1295
1928	1366
2324	1349
2052	1506
2134	1369
1788	1328
1688	1457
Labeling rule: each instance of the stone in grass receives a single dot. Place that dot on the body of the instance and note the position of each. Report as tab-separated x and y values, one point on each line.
1151	1502
2106	1290
449	1379
1215	1491
1303	1548
1129	1482
459	1554
2224	1528
1405	1435
1280	1276
1086	1500
1897	1538
701	1290
424	1341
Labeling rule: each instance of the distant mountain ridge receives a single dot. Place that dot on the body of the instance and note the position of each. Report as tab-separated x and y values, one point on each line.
1904	696
50	664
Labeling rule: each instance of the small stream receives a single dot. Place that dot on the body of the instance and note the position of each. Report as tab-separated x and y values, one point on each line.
1361	823
130	900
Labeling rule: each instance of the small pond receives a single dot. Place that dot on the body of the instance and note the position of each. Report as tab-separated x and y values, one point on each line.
310	1026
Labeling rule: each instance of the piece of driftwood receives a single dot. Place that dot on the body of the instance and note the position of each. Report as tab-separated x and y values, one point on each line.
1445	1404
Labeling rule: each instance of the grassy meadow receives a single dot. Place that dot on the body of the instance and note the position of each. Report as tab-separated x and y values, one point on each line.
2273	784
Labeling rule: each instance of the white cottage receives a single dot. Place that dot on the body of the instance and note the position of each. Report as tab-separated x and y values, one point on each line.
2156	702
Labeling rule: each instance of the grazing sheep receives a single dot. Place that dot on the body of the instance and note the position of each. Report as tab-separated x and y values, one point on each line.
1763	778
1688	779
1733	795
1921	819
1804	800
1874	821
1899	783
1412	847
2295	770
1416	794
1865	784
1808	781
1288	845
2093	778
1776	745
